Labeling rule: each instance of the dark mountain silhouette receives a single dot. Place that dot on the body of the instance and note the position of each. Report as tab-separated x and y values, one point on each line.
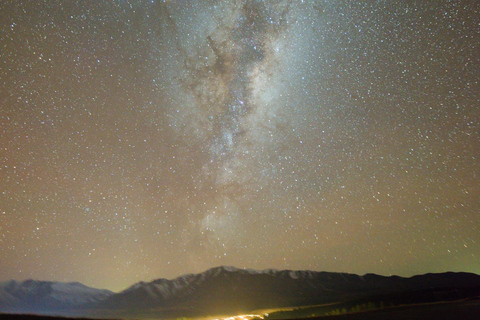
228	290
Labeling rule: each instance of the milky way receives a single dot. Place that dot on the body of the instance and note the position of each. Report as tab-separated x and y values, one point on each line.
147	139
232	78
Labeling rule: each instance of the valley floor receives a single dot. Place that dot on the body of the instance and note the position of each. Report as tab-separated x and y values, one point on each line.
462	310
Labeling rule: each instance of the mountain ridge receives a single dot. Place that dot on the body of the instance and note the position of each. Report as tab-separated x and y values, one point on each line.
42	297
221	290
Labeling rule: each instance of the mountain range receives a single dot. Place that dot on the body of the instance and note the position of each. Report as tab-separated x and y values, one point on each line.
228	290
45	297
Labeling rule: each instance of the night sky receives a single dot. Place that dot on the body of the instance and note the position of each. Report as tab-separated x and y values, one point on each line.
149	139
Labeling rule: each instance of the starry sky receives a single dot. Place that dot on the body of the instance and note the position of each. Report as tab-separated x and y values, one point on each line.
149	139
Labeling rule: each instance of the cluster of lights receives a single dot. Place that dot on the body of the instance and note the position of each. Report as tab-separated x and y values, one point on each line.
243	317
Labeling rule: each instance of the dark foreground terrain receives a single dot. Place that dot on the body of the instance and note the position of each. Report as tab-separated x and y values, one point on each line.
34	317
463	310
